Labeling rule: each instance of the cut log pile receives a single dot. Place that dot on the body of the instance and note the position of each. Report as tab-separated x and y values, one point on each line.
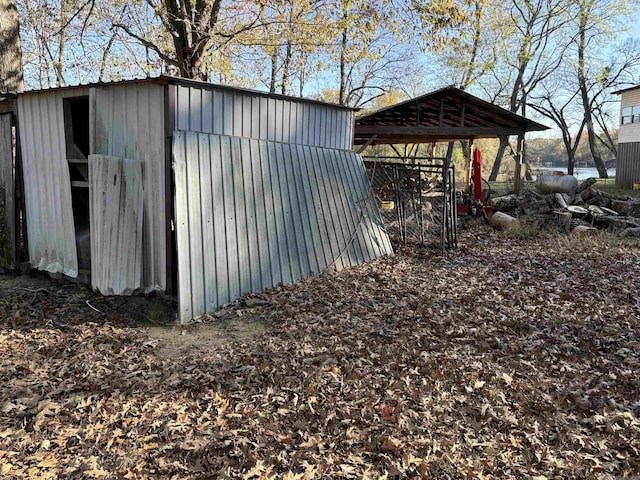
582	209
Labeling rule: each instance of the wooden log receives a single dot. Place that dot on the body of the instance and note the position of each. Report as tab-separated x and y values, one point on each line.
505	203
586	184
583	230
577	211
561	200
615	224
501	220
562	220
596	197
630	232
626	207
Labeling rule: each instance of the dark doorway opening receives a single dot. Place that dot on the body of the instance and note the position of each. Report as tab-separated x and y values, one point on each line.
76	132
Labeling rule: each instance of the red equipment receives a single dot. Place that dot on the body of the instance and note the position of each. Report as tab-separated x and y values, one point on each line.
473	206
477	175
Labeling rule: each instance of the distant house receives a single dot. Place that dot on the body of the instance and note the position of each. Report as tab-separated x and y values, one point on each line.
173	185
628	166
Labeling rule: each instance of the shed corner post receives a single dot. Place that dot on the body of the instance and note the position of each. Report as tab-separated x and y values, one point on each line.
20	212
92	120
12	182
170	237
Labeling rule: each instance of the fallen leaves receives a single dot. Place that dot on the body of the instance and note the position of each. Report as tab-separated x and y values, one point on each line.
500	360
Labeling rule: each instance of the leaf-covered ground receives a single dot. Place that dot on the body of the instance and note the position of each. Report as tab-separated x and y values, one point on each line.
505	359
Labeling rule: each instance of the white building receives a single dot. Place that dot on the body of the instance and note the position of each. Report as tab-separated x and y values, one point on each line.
628	165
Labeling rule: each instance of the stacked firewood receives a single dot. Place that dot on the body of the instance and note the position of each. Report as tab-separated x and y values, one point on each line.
583	208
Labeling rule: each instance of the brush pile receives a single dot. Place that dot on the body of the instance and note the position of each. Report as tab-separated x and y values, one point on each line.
581	209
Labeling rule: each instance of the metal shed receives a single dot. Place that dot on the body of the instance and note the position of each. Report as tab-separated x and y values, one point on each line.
202	190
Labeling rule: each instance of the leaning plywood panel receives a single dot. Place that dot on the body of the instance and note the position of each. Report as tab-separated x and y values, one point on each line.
251	214
7	204
50	225
129	123
116	203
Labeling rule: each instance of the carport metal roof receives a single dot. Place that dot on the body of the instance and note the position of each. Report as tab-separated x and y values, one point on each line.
447	114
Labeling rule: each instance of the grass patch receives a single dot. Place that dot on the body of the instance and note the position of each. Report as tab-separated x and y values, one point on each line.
609	186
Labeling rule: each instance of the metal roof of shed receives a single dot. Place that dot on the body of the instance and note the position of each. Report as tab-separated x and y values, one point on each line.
170	80
443	115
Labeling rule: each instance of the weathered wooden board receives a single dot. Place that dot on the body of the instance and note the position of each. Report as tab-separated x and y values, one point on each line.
251	214
116	212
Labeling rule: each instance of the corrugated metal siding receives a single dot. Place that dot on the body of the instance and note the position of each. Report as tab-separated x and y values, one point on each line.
252	213
50	226
129	123
628	164
7	195
245	114
116	196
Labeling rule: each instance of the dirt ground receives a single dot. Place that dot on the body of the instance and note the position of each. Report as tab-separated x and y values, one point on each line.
517	356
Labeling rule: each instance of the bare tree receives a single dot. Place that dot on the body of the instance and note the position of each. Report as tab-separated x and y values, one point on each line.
194	29
595	77
560	107
534	23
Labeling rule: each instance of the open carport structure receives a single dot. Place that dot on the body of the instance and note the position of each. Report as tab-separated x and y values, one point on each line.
405	184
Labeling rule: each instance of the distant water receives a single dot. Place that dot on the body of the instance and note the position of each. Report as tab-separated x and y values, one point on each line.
579	173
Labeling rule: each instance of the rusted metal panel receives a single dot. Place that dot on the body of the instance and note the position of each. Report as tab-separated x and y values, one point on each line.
129	123
219	110
116	202
50	226
628	164
7	195
251	214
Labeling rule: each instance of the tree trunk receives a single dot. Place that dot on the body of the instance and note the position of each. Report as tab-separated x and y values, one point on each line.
11	78
504	142
286	67
274	70
571	162
477	31
584	94
343	81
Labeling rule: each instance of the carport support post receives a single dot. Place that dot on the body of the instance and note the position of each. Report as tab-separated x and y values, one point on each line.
467	168
518	172
445	170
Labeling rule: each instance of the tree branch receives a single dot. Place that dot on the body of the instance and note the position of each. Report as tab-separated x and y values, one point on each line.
148	44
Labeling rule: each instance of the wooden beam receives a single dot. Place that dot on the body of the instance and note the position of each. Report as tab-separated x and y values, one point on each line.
393	147
444	132
367	143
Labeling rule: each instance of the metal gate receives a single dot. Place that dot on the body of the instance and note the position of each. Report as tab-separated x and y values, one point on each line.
417	199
